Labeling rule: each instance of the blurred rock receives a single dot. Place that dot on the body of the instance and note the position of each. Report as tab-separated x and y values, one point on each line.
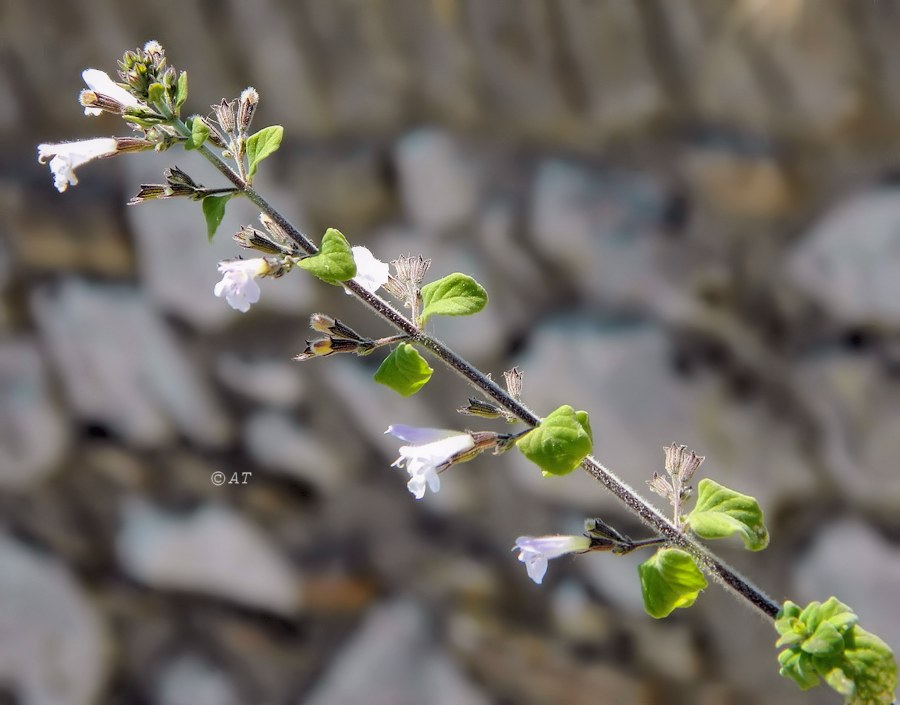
739	178
52	236
851	561
623	377
277	442
600	229
616	577
189	680
666	649
609	44
848	262
413	669
122	367
578	617
212	551
858	409
267	381
34	434
438	181
53	642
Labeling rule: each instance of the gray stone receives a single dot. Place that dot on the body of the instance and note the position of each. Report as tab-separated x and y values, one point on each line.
851	561
622	376
394	658
858	411
54	646
277	442
601	229
190	680
33	433
122	367
213	551
848	262
438	181
270	381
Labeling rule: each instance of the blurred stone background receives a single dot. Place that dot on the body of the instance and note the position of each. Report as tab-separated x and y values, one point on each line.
687	216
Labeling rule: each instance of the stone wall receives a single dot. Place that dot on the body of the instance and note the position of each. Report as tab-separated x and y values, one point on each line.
687	217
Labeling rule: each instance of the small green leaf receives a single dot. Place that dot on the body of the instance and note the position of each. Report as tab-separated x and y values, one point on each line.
560	443
181	92
824	640
454	295
334	262
721	512
156	93
669	580
199	133
404	370
261	145
214	211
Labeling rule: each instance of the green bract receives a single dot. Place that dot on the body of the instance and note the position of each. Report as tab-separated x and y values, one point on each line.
214	211
181	92
261	145
334	261
669	580
560	443
824	640
404	370
199	133
721	512
454	295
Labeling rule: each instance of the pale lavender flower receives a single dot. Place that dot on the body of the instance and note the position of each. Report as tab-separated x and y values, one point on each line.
371	273
238	284
536	551
430	450
66	157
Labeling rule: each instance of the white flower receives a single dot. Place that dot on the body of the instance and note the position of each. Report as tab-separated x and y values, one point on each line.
371	273
101	84
430	451
238	284
66	157
535	551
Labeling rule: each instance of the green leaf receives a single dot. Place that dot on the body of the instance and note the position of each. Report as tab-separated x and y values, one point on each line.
199	133
156	93
721	512
261	145
824	640
334	261
560	443
214	211
669	580
404	370
454	295
181	92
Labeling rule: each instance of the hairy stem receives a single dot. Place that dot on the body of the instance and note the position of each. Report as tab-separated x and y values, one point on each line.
721	571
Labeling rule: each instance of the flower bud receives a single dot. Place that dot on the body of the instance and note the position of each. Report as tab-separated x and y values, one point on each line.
247	107
225	115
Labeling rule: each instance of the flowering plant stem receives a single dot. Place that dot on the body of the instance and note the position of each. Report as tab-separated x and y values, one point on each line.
733	581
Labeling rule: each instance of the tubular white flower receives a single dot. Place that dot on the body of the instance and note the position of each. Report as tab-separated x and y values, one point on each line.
430	451
238	284
371	273
101	84
66	157
536	551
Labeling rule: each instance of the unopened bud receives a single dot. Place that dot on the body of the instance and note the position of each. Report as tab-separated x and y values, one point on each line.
327	346
277	233
334	327
247	107
476	407
133	144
